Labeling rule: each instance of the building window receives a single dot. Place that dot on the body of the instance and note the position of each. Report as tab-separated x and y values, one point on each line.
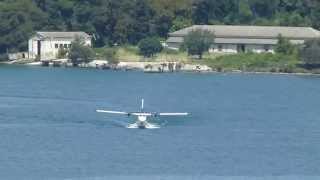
65	45
220	47
61	46
267	48
211	49
241	48
56	46
69	45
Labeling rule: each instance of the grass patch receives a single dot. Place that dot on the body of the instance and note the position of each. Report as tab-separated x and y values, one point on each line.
124	53
264	62
131	54
255	62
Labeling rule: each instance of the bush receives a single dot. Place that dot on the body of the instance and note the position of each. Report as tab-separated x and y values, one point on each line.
62	53
80	53
284	46
287	68
149	46
310	53
4	57
197	42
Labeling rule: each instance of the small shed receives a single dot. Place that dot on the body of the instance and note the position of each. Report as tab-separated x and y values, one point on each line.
46	45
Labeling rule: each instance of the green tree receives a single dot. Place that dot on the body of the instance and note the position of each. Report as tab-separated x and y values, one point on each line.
163	24
201	11
263	8
80	53
244	10
18	21
310	52
127	21
198	41
284	46
62	53
4	57
149	46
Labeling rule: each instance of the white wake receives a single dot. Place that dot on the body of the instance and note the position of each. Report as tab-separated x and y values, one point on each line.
148	126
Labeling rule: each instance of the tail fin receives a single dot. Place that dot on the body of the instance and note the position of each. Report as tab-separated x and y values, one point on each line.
142	105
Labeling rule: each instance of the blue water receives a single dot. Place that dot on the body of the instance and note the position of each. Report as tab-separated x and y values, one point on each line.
240	127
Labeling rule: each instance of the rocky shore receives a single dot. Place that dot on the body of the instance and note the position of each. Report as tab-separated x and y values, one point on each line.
148	67
152	67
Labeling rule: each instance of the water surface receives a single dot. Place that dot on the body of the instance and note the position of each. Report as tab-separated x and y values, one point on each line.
241	126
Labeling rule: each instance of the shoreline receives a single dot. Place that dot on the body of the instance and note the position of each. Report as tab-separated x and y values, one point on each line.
140	66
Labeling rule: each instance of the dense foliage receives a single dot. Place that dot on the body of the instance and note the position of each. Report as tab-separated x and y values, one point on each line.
310	53
80	53
267	62
128	21
284	46
197	42
148	47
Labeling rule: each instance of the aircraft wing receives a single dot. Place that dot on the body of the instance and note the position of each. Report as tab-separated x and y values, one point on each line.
112	112
173	114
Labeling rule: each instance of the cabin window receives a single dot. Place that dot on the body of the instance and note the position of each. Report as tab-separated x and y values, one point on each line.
56	46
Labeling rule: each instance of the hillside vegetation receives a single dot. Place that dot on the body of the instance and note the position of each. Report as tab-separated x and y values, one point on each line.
127	22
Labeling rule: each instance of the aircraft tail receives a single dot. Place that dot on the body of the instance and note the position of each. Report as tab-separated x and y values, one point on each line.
142	105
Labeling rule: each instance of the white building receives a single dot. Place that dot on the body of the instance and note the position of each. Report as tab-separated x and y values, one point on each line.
235	39
45	45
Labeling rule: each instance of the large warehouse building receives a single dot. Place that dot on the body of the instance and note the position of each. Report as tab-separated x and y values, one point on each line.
235	39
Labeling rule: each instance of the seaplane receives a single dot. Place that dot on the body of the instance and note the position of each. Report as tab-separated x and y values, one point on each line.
142	117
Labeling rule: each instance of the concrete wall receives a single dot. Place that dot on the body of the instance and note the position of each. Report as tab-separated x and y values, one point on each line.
174	46
32	48
49	48
259	48
18	56
232	48
223	48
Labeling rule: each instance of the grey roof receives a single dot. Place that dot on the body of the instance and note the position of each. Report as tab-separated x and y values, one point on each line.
237	41
253	31
63	35
175	40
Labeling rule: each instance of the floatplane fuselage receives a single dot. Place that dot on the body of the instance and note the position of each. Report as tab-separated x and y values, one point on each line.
142	117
